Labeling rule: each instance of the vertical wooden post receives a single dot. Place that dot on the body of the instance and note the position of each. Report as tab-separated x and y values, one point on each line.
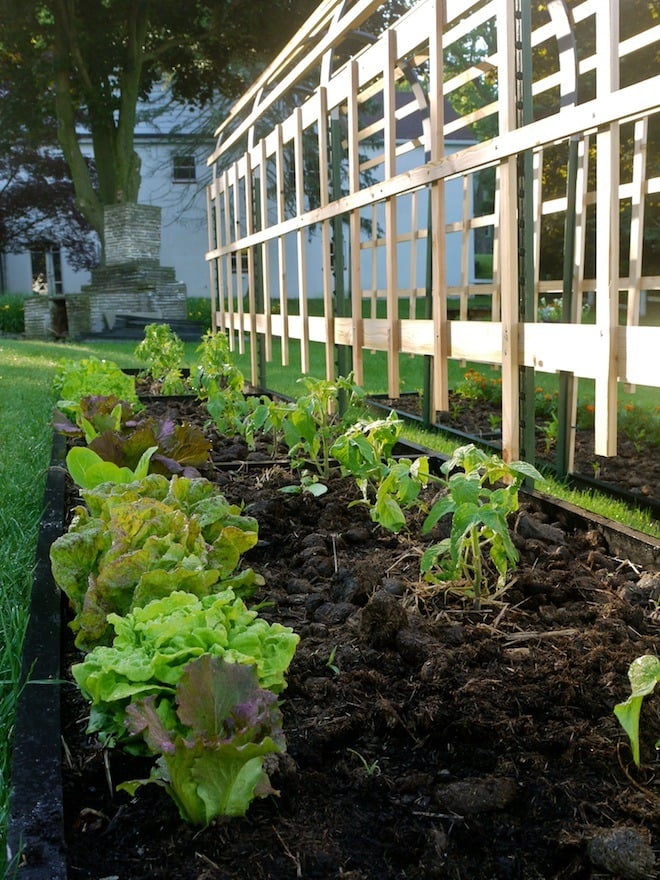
508	236
414	239
265	254
228	261
252	297
324	197
354	226
391	243
437	240
303	309
637	220
373	245
607	231
236	178
281	246
465	247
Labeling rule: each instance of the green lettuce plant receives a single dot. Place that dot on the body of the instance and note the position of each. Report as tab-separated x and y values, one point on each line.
74	380
212	761
644	674
88	470
120	436
479	548
139	541
96	414
154	643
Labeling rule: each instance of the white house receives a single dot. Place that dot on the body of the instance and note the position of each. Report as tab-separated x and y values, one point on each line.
173	143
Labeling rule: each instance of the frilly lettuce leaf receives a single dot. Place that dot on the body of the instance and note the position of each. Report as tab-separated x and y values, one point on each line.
139	544
153	644
212	764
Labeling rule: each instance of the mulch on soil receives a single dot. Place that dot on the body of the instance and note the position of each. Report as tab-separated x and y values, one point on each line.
424	740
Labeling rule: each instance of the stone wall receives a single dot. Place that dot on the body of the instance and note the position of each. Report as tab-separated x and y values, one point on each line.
37	317
132	233
131	281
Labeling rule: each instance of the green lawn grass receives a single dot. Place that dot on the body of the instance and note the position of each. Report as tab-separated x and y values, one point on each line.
26	402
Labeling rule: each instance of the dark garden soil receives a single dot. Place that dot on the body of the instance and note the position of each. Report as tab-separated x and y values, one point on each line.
425	740
634	469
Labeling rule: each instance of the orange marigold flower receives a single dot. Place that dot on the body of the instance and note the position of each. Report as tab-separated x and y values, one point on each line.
590	408
629	407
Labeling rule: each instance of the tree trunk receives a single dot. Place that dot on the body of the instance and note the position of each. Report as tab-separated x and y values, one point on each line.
116	162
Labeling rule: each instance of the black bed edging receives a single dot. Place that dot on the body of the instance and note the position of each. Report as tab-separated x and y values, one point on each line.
36	822
35	835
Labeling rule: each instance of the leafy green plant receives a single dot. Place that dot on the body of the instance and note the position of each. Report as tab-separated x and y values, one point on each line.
388	485
88	470
232	411
311	425
216	370
162	352
640	425
96	413
644	674
308	484
180	448
140	541
476	386
117	434
153	645
12	313
479	535
74	380
212	761
550	432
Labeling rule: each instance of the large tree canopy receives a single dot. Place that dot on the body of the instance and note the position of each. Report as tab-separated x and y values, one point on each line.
87	63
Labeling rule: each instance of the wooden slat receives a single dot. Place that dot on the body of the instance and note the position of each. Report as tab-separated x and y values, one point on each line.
391	264
300	244
324	194
249	226
267	331
637	221
281	245
354	227
236	234
508	224
438	242
227	262
607	234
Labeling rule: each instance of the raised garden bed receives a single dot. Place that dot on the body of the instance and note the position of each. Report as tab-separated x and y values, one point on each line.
425	740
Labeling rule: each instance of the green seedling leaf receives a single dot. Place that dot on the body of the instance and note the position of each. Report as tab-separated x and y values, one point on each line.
644	674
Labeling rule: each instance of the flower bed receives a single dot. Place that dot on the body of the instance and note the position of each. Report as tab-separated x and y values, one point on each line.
425	739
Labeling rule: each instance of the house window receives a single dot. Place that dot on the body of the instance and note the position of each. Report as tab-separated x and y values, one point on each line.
183	168
47	272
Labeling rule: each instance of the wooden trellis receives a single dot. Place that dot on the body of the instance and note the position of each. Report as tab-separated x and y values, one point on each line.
321	192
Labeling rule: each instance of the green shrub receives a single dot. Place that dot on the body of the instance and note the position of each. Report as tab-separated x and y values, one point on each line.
12	313
198	308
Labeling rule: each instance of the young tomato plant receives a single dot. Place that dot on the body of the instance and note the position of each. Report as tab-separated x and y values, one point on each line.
310	426
388	485
479	545
161	351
